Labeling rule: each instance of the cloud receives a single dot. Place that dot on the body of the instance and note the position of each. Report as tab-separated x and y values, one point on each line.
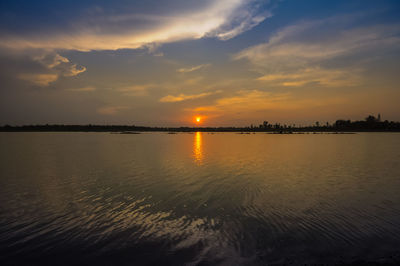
135	90
244	19
153	49
183	97
102	30
316	75
49	67
319	51
111	110
245	102
39	79
50	60
58	63
72	70
191	69
291	44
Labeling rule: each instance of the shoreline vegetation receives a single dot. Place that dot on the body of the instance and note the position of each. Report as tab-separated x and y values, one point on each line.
370	124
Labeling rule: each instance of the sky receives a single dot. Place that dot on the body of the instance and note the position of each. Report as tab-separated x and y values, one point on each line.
230	62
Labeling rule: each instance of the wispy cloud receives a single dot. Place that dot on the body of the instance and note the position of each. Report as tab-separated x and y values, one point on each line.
184	97
314	52
316	75
289	44
39	79
245	102
223	19
58	63
245	19
50	66
50	60
135	90
194	68
153	49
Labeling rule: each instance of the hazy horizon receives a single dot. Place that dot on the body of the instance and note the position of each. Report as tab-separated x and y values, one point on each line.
201	125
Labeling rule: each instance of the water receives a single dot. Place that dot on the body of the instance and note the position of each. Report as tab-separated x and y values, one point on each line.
224	198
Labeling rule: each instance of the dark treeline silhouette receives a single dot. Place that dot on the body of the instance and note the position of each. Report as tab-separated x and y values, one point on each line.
370	124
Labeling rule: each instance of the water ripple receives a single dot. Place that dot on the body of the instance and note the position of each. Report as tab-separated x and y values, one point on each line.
233	200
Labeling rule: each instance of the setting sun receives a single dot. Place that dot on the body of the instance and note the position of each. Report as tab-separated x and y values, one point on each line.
198	119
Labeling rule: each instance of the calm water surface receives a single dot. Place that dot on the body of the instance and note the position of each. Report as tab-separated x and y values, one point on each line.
224	198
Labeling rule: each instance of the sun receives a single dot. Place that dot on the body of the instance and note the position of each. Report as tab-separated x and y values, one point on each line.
198	119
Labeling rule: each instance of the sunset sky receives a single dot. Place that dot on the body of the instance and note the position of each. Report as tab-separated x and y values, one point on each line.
166	62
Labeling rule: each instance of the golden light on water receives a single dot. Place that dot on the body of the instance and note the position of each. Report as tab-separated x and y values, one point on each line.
197	148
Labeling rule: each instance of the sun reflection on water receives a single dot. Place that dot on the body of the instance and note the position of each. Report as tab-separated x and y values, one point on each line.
197	148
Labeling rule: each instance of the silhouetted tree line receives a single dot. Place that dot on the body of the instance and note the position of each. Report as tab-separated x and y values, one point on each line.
370	124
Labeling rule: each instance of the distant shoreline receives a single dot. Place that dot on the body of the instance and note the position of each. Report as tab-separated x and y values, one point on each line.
138	130
370	124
